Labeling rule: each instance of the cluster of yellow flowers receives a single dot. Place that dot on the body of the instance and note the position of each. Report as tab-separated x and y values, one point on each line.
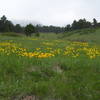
36	54
92	52
83	44
73	49
6	44
47	43
78	48
9	48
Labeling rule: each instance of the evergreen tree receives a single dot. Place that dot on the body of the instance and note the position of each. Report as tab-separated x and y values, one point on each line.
29	29
68	28
18	28
95	23
6	25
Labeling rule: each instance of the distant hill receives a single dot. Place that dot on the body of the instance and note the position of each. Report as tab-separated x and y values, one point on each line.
90	35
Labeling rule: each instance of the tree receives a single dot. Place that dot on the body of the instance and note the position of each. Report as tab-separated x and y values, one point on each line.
3	19
81	24
6	25
9	27
3	23
29	29
18	28
95	23
74	25
68	28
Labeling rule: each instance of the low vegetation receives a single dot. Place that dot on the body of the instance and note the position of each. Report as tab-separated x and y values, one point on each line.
49	67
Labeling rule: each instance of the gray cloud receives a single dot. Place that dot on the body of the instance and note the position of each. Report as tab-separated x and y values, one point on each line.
55	12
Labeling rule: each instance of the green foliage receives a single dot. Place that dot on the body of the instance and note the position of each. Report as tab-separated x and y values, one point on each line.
81	24
50	29
8	26
57	78
37	34
81	32
89	35
95	23
18	28
68	27
29	29
5	25
11	34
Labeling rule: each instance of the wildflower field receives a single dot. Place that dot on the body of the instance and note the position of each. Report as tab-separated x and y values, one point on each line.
48	69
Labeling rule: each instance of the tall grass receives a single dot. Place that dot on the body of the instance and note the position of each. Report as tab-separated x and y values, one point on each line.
55	78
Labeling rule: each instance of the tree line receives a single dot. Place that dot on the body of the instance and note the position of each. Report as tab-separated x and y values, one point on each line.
82	24
8	26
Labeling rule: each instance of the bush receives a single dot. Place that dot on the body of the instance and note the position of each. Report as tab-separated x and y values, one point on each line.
37	34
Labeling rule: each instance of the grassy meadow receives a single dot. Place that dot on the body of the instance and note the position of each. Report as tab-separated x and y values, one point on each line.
50	67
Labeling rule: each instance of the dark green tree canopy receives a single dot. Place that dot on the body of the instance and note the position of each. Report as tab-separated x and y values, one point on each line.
80	24
68	27
6	25
3	19
18	28
95	23
29	29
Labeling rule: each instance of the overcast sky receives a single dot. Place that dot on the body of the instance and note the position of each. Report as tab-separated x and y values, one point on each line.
50	12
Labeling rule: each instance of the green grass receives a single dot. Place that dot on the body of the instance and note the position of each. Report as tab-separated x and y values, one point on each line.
11	34
56	78
84	35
